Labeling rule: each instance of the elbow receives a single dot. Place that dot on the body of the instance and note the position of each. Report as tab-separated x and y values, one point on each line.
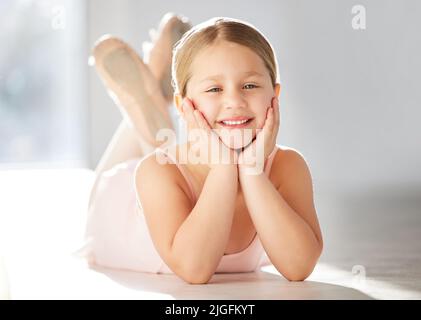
305	269
194	275
196	278
191	271
297	276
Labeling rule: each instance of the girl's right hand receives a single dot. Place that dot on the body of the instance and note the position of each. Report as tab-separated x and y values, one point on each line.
209	140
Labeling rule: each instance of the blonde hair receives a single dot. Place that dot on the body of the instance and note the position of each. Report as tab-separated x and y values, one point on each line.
209	32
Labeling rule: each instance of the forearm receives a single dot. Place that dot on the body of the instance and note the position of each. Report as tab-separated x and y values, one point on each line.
201	239
289	241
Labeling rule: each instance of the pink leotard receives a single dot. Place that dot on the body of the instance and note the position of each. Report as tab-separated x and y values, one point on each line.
117	235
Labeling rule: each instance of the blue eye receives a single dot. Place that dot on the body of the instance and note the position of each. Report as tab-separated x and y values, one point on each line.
210	90
249	84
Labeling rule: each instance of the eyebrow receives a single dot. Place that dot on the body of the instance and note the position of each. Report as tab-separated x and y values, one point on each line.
218	76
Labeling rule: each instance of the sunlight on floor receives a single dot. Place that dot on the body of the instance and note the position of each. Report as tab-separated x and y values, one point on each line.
42	217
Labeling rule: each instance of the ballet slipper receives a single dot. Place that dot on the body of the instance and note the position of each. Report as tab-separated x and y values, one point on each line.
132	86
158	53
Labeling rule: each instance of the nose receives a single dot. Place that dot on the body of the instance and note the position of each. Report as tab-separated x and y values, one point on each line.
233	99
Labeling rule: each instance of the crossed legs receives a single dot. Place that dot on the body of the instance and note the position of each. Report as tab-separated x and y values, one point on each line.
142	92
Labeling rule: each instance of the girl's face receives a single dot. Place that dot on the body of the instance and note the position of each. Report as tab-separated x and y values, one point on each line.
230	81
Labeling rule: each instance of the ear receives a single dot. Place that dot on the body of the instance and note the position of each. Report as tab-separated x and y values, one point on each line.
277	89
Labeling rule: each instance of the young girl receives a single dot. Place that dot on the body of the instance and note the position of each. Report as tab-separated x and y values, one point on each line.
195	219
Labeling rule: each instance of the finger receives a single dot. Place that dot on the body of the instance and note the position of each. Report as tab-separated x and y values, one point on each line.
272	117
202	125
277	118
264	131
276	111
189	104
196	117
201	120
268	127
188	109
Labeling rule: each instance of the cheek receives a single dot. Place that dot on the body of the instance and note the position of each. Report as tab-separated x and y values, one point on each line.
208	110
259	108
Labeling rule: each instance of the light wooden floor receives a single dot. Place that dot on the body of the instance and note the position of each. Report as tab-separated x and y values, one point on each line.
372	249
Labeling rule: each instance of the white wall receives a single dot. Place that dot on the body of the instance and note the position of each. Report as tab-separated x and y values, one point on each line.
349	100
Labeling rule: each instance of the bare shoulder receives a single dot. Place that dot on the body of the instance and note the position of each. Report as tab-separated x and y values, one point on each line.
165	204
287	162
150	173
149	167
294	183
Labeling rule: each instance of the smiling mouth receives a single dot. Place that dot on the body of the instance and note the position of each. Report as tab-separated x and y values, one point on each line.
235	124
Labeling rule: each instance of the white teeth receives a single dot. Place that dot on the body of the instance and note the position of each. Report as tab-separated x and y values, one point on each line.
234	122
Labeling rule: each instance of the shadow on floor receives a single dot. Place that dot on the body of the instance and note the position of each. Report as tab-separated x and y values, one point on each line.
239	286
379	231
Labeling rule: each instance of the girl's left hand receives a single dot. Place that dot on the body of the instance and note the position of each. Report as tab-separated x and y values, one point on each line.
251	157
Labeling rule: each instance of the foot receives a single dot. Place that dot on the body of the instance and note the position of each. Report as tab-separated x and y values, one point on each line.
158	55
132	86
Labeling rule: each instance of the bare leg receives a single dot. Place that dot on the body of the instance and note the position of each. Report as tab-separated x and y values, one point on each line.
158	55
133	87
137	92
137	95
124	145
136	88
